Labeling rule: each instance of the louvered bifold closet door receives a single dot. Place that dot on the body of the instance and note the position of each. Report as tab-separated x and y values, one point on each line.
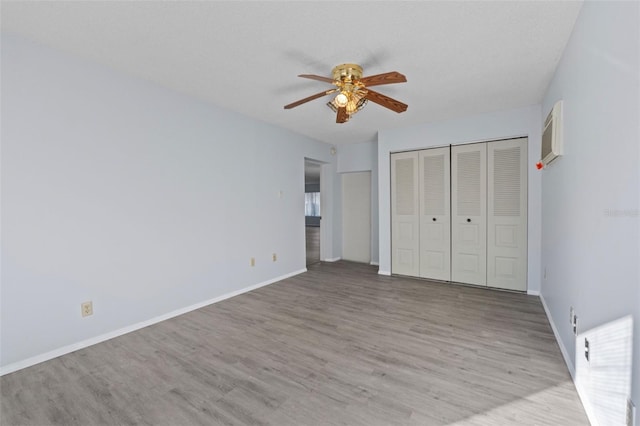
405	245
507	214
469	214
435	217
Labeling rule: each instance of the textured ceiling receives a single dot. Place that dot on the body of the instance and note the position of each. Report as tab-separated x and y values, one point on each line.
460	58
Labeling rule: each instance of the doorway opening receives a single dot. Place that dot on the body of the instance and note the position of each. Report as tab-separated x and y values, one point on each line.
312	210
356	217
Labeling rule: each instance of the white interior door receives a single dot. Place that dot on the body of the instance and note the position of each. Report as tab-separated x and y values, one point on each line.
405	245
356	216
469	214
507	214
435	217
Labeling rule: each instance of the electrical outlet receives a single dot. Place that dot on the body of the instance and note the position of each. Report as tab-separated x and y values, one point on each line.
575	324
274	257
571	313
253	261
586	349
631	413
87	308
545	273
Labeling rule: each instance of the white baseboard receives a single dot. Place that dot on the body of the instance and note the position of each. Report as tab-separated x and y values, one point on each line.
588	408
19	365
387	273
374	264
534	293
563	349
332	259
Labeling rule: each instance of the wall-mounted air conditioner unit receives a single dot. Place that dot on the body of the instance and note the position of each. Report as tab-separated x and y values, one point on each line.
552	135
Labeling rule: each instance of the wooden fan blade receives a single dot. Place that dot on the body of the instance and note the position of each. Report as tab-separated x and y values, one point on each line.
342	116
386	78
317	77
310	98
386	101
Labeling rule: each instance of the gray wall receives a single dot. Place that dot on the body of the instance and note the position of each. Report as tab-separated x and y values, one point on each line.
135	197
591	200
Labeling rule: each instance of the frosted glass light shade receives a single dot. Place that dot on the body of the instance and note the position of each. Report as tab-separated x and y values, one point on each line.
341	100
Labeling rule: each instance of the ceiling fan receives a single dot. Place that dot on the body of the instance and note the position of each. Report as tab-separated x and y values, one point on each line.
354	91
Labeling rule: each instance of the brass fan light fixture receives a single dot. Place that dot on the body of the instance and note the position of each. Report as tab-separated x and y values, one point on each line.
353	91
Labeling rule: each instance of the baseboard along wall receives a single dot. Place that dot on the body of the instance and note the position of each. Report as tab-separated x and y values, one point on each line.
19	365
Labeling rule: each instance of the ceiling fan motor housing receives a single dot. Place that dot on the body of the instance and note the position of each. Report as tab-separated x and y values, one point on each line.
347	72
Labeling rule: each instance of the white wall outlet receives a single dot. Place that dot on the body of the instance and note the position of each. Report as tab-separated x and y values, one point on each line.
86	308
545	273
274	257
253	261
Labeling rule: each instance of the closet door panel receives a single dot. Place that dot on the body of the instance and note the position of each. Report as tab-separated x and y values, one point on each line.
435	215
405	244
469	214
507	214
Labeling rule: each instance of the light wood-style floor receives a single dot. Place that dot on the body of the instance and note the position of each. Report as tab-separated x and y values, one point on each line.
338	345
312	239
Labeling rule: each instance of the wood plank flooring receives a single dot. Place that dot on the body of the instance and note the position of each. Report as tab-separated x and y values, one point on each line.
338	345
312	239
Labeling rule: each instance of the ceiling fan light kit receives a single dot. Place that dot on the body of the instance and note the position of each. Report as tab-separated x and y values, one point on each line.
353	93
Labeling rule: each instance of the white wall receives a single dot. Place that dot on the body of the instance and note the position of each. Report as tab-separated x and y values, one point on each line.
485	127
363	157
591	200
135	197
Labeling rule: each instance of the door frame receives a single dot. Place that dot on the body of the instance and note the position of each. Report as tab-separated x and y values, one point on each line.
527	197
368	173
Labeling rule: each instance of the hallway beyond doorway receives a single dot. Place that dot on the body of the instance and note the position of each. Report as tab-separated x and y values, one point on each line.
312	237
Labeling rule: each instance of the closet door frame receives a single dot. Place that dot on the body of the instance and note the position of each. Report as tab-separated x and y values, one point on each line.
477	239
507	219
435	213
405	244
469	214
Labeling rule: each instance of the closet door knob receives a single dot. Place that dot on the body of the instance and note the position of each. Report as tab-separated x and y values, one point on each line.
468	220
434	219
